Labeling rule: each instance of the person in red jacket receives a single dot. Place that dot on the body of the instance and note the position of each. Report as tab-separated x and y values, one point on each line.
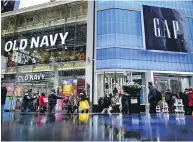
190	101
43	103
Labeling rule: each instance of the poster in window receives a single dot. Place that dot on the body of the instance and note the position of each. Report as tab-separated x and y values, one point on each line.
165	29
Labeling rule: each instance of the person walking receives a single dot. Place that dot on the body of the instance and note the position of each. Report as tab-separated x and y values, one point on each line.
184	98
43	103
70	104
125	103
3	96
84	97
52	100
152	97
170	99
190	101
28	101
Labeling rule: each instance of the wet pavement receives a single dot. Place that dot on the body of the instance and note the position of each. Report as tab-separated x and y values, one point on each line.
96	127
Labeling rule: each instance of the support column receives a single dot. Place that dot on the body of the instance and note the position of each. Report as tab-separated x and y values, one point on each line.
90	59
148	77
56	79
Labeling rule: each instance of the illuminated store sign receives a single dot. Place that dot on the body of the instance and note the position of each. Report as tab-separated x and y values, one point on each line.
165	29
46	40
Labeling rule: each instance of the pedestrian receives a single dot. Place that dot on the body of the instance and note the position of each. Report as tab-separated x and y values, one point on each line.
184	98
106	104
169	100
152	98
190	101
113	103
3	96
52	100
84	97
125	103
43	103
28	101
70	104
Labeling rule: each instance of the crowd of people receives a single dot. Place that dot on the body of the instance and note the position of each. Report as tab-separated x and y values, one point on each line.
116	102
186	96
32	102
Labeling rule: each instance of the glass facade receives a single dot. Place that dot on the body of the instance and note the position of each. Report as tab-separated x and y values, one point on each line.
120	38
120	48
58	63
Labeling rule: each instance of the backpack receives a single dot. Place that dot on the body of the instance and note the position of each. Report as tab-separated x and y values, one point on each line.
158	96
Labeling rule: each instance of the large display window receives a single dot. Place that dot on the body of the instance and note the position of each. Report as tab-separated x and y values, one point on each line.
175	82
108	81
59	44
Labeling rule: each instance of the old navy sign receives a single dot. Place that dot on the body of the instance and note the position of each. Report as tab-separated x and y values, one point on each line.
30	77
37	42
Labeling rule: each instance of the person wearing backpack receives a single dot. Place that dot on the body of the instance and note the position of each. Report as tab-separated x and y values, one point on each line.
152	98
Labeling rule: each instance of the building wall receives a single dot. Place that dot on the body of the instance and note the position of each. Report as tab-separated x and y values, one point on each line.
119	41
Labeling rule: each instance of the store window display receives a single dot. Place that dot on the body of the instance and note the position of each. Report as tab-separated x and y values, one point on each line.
112	83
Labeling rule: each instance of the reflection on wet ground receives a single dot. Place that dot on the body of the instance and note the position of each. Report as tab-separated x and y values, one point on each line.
63	127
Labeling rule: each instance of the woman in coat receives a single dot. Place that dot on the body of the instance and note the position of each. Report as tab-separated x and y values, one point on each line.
190	101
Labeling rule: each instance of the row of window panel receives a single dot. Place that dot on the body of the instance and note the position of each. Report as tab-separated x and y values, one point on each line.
187	6
119	40
126	40
129	25
143	65
119	15
136	54
177	4
189	22
119	27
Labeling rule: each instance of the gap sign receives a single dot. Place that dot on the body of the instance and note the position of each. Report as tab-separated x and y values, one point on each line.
164	29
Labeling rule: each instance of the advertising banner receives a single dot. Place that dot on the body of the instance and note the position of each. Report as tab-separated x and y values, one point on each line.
164	29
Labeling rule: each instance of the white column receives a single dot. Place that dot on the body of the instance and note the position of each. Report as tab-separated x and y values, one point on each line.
89	48
148	77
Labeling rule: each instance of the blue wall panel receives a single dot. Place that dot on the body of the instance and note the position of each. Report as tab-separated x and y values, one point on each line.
118	27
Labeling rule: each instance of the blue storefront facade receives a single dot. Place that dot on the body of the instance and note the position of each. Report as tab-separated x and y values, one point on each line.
120	50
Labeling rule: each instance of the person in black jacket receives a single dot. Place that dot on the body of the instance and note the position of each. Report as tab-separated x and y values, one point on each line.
52	100
3	96
28	101
152	98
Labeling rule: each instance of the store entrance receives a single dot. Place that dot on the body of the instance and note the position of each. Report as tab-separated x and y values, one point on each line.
36	86
176	83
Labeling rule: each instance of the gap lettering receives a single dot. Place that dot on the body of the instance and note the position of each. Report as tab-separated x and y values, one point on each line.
166	31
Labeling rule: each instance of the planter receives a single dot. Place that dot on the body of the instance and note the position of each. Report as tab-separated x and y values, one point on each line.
134	104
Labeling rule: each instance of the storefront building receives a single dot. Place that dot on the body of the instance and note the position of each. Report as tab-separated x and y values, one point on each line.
44	47
143	41
87	44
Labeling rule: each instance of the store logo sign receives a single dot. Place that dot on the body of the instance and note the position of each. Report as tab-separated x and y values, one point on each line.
164	29
167	33
37	42
30	77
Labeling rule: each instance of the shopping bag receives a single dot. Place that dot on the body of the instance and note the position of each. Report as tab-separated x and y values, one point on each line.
84	105
83	117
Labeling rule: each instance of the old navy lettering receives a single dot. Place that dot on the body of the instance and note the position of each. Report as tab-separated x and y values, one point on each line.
31	77
37	42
